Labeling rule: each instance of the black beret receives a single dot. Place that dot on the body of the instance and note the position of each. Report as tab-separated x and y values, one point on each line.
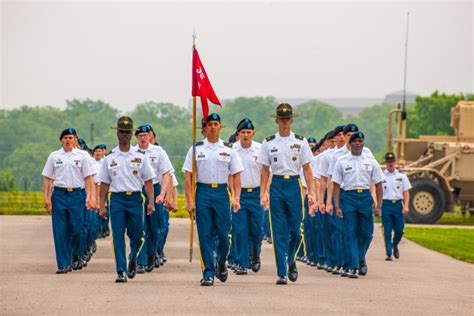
68	131
339	129
350	128
358	135
232	139
82	143
213	117
245	124
100	146
329	135
143	129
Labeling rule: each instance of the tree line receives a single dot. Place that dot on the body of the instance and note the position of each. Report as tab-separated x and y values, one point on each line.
30	133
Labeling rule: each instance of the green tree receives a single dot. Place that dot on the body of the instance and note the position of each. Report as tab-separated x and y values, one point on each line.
431	115
7	181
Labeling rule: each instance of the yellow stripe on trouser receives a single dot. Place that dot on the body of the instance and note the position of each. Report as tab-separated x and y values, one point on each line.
302	218
109	194
143	238
229	235
271	229
201	261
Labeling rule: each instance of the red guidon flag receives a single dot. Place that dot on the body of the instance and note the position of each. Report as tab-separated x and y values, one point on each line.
202	86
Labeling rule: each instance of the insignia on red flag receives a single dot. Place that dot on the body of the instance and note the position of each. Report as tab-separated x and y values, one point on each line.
201	86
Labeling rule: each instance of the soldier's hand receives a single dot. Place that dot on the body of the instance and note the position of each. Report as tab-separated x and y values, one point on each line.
160	199
103	212
311	200
405	210
339	213
322	207
173	207
150	208
190	207
48	206
377	210
312	211
329	208
235	205
264	201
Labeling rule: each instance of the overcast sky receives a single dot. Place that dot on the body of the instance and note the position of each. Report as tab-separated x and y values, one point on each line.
126	53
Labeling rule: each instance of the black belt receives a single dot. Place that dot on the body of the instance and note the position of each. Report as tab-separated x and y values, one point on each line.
286	177
212	185
248	190
127	192
69	189
392	201
358	191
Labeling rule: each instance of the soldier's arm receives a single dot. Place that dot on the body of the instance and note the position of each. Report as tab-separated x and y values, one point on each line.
150	193
337	191
406	201
264	184
47	190
104	189
236	194
188	193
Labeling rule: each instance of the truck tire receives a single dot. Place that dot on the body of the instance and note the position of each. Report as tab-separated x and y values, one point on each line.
427	202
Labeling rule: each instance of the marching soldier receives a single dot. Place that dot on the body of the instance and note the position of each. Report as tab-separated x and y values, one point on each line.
248	221
396	197
353	175
215	161
286	153
67	173
100	151
154	223
124	173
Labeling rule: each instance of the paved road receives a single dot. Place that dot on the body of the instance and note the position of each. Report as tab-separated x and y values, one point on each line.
421	282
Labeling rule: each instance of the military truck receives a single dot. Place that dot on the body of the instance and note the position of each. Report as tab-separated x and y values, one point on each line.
440	168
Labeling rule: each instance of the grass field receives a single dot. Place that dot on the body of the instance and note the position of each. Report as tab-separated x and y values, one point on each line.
31	203
455	242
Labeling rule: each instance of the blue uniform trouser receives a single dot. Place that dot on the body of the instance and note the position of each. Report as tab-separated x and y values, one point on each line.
67	218
266	225
126	213
104	224
392	219
286	215
232	257
307	233
320	246
359	225
247	226
166	223
153	228
213	224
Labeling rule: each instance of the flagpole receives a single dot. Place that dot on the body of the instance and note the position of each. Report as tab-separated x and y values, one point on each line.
193	173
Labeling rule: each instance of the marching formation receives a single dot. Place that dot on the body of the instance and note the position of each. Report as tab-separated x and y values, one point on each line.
314	201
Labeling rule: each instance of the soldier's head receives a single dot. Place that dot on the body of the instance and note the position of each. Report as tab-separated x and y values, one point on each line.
143	134
68	139
357	143
312	142
348	130
390	161
99	151
330	141
124	130
246	132
284	117
213	127
339	136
